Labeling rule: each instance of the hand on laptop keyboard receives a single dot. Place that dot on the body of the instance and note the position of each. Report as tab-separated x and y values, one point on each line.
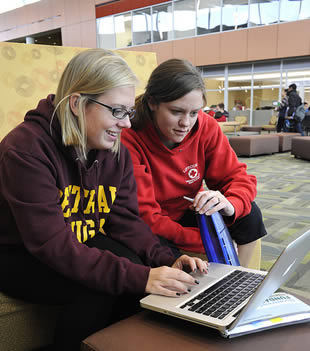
191	264
174	281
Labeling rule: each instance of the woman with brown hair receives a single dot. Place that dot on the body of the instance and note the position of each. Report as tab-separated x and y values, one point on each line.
175	148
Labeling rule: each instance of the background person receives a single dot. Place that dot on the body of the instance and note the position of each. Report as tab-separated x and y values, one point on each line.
294	100
299	116
282	110
71	234
294	105
175	147
212	110
221	115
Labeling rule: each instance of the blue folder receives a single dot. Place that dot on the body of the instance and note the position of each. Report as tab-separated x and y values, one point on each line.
216	239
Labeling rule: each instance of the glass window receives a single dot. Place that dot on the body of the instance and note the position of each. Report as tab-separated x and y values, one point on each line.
239	99
105	33
237	68
235	14
215	97
263	12
267	74
208	16
267	86
267	79
162	22
123	30
293	10
263	67
240	82
307	92
239	87
184	18
305	9
215	89
297	63
141	26
214	83
298	77
265	99
213	70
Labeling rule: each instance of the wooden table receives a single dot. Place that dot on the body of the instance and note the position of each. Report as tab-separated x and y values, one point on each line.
231	123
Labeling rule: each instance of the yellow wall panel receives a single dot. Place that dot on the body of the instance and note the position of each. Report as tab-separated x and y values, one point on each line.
29	73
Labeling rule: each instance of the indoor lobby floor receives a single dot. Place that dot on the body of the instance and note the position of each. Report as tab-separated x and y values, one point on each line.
283	194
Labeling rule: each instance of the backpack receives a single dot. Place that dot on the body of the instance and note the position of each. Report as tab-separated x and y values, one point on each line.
300	113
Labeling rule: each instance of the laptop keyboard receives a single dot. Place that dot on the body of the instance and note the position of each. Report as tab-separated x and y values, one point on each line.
223	297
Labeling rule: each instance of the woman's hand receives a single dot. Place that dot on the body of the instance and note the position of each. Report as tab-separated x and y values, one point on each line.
210	201
173	281
191	264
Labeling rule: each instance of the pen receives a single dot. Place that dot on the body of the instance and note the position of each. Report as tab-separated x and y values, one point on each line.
192	200
188	198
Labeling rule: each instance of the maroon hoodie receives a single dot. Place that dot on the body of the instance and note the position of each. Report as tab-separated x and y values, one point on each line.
52	204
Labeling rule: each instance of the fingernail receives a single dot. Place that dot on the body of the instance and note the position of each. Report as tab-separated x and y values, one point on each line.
196	281
178	294
205	271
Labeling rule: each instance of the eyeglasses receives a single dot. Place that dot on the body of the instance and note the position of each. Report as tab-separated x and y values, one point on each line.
117	112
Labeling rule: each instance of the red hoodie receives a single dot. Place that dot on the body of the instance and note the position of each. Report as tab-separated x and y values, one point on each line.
51	203
164	176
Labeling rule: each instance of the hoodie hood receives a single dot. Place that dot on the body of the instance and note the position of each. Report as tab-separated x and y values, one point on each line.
42	115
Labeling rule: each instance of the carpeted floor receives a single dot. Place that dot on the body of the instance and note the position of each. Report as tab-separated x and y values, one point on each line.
284	198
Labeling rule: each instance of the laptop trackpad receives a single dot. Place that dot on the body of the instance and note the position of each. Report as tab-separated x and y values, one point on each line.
216	271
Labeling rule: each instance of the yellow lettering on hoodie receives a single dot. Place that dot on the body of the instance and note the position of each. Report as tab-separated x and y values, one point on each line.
102	200
88	229
85	229
65	202
112	192
101	230
91	230
76	190
90	208
85	237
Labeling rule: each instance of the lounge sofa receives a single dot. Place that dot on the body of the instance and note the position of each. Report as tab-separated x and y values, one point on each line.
25	326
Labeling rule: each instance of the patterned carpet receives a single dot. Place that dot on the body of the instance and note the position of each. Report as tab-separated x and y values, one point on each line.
284	198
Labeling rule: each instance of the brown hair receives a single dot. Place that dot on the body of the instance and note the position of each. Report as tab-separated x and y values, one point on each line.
169	81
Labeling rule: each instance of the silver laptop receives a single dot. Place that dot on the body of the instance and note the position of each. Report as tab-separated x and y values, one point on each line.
236	300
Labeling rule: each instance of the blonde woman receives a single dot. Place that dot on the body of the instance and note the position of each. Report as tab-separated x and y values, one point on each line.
70	229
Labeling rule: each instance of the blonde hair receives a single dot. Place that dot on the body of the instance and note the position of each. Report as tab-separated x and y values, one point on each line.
91	72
